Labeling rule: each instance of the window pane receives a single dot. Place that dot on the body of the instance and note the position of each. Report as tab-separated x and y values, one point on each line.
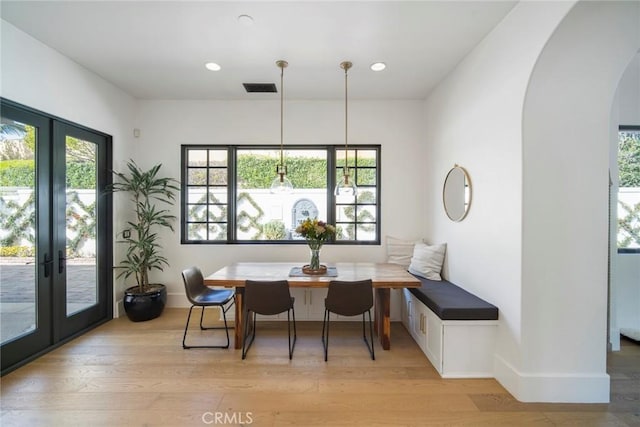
217	213
218	195
262	215
366	232
340	158
345	213
366	177
197	231
197	176
197	158
367	195
366	158
629	189
217	231
218	158
196	195
218	177
345	231
366	213
197	213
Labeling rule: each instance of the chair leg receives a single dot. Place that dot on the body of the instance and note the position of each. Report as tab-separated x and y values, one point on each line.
324	319
245	334
184	336
291	346
369	345
186	327
325	338
222	308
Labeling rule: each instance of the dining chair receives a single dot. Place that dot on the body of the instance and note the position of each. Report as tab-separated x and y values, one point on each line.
348	299
267	298
200	295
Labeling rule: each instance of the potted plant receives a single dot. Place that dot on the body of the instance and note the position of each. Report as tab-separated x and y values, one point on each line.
144	301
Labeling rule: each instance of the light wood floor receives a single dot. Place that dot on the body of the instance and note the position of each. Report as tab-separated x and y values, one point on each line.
125	373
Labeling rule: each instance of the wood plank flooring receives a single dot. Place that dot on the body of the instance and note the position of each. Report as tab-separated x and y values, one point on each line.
137	374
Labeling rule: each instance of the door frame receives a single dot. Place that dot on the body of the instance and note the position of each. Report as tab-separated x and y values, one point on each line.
46	337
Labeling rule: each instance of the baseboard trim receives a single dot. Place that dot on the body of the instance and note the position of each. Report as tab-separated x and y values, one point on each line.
556	388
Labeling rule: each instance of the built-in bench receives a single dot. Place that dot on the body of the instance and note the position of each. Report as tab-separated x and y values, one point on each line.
454	328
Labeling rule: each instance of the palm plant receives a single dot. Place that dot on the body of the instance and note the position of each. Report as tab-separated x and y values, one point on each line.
143	250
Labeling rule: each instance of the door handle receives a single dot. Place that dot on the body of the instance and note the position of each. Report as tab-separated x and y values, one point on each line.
62	262
47	265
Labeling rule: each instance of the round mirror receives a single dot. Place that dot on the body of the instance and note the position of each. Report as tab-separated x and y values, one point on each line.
456	194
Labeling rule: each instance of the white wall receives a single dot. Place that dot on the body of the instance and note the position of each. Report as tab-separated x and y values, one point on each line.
474	118
39	77
396	125
566	134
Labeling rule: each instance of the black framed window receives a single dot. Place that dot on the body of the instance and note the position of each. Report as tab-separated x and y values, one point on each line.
628	237
226	194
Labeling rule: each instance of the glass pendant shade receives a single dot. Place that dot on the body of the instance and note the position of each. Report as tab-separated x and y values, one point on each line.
346	187
281	184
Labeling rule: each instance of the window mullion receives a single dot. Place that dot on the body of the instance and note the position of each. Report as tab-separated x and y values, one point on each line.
231	194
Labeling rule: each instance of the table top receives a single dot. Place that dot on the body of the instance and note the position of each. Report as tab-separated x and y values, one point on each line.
382	275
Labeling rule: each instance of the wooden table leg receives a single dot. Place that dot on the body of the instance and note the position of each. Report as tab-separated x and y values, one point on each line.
238	323
383	316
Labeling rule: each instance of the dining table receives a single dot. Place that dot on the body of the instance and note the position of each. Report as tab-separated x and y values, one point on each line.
384	277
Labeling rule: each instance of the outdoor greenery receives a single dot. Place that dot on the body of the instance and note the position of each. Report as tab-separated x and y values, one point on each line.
257	171
629	158
20	173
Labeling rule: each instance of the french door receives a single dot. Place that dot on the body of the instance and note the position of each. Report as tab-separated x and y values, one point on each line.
56	263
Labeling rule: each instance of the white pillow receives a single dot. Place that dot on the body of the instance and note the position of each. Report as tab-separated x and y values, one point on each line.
427	260
399	251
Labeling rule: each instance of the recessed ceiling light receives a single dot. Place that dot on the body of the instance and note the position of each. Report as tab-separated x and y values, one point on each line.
378	66
212	66
245	20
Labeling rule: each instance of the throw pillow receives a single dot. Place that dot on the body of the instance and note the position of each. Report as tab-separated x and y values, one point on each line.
399	251
427	260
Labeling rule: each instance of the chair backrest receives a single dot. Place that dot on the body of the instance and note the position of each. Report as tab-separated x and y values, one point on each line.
267	297
349	298
193	283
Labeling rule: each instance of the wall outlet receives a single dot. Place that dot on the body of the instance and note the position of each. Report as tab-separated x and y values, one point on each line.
126	234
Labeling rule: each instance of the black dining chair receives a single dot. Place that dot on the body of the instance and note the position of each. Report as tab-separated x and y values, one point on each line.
348	299
267	298
200	295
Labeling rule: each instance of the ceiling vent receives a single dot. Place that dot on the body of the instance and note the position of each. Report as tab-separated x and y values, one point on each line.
260	87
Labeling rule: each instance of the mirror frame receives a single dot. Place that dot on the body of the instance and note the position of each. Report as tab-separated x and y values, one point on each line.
467	194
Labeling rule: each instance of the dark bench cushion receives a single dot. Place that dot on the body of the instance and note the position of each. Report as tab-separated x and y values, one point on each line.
450	302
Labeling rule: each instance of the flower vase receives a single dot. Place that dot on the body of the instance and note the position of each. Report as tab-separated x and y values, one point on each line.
314	264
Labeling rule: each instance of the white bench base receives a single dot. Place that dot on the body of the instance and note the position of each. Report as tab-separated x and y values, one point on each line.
456	348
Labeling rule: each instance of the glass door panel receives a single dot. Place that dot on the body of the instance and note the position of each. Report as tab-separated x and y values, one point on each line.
26	262
81	212
18	267
81	232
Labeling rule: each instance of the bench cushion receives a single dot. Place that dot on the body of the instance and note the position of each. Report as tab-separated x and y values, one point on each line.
450	302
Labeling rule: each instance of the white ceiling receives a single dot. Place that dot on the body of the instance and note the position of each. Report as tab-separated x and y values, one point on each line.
157	49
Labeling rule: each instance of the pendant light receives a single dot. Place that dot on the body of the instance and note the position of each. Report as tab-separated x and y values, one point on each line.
346	186
281	184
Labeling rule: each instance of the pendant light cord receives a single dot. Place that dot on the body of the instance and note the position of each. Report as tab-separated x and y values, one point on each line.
282	116
346	121
345	66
